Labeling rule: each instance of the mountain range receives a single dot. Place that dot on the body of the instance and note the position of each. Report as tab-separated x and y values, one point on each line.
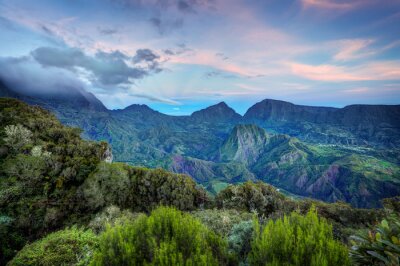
350	154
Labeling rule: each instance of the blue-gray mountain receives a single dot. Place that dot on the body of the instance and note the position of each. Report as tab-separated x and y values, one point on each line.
350	154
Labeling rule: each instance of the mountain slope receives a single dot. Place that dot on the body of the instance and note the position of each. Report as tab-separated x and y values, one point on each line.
376	125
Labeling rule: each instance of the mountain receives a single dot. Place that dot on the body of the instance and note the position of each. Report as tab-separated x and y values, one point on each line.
319	171
245	144
63	97
371	125
350	154
220	112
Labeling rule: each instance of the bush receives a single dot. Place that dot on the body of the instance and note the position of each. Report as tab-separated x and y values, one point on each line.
239	239
221	221
297	240
259	197
166	237
67	247
139	189
379	246
111	215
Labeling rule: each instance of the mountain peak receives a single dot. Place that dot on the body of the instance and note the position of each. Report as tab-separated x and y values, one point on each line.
219	112
244	144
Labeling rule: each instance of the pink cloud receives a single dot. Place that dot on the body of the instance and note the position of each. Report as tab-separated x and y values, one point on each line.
329	4
385	70
208	58
353	49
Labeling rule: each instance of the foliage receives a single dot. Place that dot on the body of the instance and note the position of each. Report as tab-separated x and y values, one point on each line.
297	240
57	179
259	197
67	247
110	216
239	239
166	237
379	246
140	189
17	136
221	221
392	204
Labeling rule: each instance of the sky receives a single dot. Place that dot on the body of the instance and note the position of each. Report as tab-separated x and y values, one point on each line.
179	56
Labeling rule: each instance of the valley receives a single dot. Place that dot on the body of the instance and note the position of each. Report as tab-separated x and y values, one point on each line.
346	154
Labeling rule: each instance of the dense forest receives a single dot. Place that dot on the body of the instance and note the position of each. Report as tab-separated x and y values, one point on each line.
62	202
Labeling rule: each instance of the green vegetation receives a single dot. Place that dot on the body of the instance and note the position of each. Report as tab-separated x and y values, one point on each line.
297	240
62	203
259	197
51	178
379	246
67	247
166	237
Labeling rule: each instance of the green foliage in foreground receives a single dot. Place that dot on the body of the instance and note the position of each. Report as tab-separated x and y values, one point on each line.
379	246
166	237
51	178
67	247
297	240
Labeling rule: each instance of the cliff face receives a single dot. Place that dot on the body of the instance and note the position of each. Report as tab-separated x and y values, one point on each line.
245	144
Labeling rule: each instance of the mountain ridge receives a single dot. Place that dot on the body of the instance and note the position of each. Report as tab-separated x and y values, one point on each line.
309	151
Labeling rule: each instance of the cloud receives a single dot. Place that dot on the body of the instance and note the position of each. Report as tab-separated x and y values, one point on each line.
353	49
166	25
222	56
155	99
107	31
329	4
25	75
107	68
145	55
383	70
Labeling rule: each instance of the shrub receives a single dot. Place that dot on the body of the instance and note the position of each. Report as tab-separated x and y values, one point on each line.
221	221
166	237
392	204
67	247
239	239
379	246
297	240
111	215
139	189
260	197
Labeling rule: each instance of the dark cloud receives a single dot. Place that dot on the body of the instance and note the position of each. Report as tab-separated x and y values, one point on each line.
155	98
219	74
184	6
107	31
166	25
106	68
24	75
222	56
168	52
47	30
145	55
149	58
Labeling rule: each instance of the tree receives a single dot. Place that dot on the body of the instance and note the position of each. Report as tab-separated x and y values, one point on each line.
297	240
17	136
